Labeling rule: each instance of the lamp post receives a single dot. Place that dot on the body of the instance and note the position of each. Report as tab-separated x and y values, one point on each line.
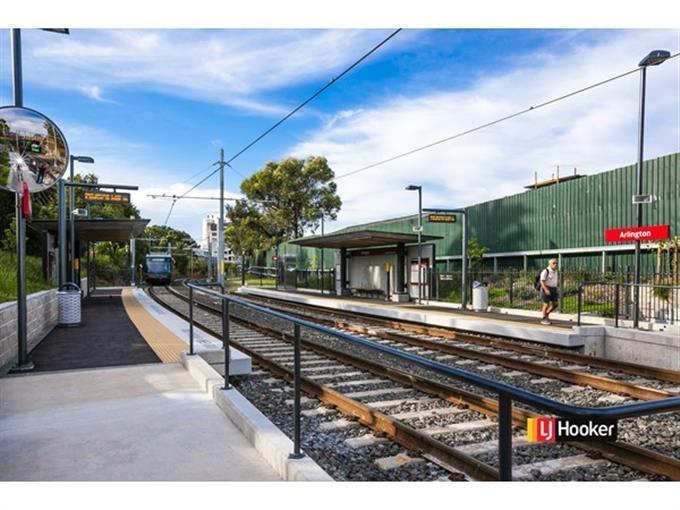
72	202
654	58
413	187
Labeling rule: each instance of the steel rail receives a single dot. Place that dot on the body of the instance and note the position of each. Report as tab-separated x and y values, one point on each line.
622	453
440	453
453	334
518	394
570	376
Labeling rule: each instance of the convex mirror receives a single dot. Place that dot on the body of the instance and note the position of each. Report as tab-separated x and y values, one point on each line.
32	150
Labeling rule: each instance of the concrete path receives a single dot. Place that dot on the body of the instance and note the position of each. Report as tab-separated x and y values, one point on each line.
144	422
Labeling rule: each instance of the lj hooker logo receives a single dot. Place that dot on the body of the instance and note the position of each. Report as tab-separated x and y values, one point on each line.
548	430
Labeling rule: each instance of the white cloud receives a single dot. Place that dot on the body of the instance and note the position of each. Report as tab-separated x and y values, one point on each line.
232	67
593	131
93	92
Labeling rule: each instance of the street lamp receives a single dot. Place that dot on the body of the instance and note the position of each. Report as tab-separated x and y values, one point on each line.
654	58
413	187
72	201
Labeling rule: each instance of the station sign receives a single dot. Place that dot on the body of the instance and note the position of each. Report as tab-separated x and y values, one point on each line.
441	218
632	234
106	196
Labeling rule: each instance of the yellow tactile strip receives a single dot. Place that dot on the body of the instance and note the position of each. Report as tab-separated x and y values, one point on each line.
167	346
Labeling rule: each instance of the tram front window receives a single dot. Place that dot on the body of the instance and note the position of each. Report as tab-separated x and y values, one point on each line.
157	266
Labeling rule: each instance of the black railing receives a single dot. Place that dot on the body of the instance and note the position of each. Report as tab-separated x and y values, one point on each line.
659	303
323	281
515	289
506	393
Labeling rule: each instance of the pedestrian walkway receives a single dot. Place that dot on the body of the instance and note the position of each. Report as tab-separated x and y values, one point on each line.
143	422
106	337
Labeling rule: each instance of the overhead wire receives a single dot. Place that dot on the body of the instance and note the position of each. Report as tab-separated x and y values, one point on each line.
289	115
488	124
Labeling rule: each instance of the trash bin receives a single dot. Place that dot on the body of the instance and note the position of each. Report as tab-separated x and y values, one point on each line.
480	297
68	300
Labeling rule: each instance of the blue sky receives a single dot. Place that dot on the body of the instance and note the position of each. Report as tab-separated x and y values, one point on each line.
154	107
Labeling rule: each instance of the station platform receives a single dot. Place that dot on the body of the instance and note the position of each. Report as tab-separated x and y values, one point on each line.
106	337
560	333
134	423
118	399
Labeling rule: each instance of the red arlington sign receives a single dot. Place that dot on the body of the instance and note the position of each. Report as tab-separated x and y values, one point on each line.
632	234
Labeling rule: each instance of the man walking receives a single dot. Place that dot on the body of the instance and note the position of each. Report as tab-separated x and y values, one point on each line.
549	281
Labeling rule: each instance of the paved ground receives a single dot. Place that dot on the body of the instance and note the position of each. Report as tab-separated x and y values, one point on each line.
106	338
146	422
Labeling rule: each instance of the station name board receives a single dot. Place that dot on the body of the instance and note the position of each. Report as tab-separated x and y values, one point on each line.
105	196
441	218
632	234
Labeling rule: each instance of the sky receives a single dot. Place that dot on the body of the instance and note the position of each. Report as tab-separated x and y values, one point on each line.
154	107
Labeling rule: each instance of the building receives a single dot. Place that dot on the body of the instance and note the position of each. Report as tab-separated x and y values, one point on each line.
566	219
209	237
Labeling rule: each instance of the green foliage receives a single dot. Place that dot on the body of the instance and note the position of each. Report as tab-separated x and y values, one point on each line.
476	254
248	230
294	193
9	239
178	240
8	276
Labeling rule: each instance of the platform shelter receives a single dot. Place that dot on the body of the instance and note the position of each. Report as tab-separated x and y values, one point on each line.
87	231
374	263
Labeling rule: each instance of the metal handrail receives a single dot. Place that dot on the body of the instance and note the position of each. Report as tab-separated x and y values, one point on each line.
506	392
617	286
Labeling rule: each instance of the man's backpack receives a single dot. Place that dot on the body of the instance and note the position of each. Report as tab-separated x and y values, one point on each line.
537	280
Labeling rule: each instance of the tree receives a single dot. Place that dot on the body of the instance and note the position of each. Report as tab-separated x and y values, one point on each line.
293	194
246	231
179	241
476	254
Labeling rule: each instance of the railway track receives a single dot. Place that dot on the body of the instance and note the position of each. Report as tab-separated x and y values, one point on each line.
478	342
450	425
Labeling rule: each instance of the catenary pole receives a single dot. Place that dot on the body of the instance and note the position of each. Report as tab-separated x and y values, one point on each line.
220	226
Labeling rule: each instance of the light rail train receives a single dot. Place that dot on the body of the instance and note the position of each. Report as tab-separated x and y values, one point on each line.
158	269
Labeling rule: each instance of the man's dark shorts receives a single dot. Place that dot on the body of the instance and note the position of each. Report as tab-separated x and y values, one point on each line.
549	298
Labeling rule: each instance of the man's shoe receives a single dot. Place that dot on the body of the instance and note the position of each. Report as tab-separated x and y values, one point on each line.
546	322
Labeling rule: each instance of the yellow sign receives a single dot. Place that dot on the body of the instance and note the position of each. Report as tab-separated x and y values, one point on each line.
441	218
105	196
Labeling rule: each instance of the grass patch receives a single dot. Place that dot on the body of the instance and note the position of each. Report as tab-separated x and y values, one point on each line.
8	276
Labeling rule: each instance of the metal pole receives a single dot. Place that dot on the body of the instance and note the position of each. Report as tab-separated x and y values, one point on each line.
62	232
420	245
18	96
616	307
17	73
243	269
220	226
504	438
133	243
322	257
276	283
297	453
579	303
72	226
225	342
638	214
191	321
209	258
464	279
